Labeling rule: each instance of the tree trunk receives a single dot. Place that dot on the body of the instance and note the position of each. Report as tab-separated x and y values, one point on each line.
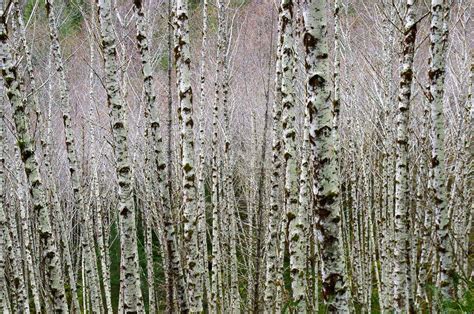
193	268
201	190
4	307
326	180
274	214
50	252
401	175
132	295
216	249
74	170
436	74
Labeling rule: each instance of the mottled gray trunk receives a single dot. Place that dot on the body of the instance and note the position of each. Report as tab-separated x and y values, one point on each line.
154	141
202	224
103	246
274	214
296	236
39	122
193	268
326	181
436	74
74	169
401	175
19	281
50	256
131	292
385	221
215	201
4	307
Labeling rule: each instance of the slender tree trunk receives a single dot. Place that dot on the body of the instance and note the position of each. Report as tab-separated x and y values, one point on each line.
154	140
401	175
29	63
326	181
39	123
385	220
176	276
87	237
95	187
216	249
436	74
201	189
132	296
272	244
27	246
302	219
193	268
50	252
259	215
296	235
336	103
4	307
19	279
228	188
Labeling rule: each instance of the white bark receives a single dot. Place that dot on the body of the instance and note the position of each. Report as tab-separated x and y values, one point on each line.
439	43
216	208
4	307
19	279
131	292
401	175
193	267
326	181
74	169
296	236
274	214
202	228
50	255
95	187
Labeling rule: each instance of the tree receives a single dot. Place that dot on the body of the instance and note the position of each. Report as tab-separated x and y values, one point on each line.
326	178
436	74
193	268
401	175
131	294
50	255
74	170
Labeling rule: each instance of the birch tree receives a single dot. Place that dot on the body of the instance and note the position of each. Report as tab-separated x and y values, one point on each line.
401	175
436	74
271	241
201	189
50	255
216	249
185	94
296	236
326	181
87	237
3	218
131	293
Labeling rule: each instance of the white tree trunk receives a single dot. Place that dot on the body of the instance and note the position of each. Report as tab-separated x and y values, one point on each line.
216	279
401	175
4	307
436	74
193	267
296	235
202	225
74	169
131	293
326	181
50	252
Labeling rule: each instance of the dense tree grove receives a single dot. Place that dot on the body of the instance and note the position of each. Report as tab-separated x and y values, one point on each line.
239	156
